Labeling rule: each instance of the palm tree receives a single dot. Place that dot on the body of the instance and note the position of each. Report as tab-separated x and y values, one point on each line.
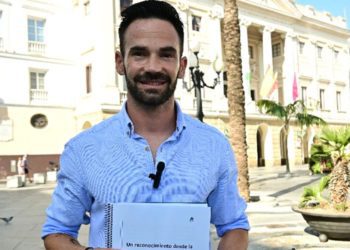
286	113
235	93
336	143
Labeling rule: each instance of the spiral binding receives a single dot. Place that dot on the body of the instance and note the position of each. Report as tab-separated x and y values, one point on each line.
108	224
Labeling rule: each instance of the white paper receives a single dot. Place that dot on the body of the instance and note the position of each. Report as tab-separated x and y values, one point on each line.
159	226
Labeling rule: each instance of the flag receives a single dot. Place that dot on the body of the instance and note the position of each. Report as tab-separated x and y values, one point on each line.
295	88
269	83
275	84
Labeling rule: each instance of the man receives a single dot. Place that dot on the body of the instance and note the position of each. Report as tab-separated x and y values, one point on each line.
111	162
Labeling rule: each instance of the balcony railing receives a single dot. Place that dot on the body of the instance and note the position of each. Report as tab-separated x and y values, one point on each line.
37	48
38	96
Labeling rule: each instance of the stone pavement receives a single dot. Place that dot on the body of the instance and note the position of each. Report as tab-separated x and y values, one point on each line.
274	225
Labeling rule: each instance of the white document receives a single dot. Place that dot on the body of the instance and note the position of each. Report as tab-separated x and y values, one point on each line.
158	226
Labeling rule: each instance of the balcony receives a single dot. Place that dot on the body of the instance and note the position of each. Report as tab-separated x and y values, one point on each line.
38	96
37	48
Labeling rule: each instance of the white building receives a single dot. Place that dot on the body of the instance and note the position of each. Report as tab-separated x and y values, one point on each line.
39	84
57	74
301	45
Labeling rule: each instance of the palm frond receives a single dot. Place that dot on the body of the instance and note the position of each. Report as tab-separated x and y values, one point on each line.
272	108
309	192
309	119
335	137
335	141
323	183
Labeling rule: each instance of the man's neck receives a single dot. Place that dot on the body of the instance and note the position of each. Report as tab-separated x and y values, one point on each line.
160	120
154	124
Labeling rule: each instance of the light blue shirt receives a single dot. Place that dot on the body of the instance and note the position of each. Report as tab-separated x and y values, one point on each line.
110	163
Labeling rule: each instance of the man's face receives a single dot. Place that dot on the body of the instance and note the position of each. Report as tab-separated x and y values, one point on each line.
151	63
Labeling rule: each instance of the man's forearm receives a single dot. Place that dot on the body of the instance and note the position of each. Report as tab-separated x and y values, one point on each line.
62	241
236	239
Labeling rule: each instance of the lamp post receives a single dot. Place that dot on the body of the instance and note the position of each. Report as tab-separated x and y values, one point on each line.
197	78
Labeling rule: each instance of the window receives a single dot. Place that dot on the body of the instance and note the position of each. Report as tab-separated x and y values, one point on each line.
276	49
36	30
87	7
124	4
252	94
304	95
251	52
301	48
88	70
338	98
38	121
37	80
319	51
322	100
38	94
196	23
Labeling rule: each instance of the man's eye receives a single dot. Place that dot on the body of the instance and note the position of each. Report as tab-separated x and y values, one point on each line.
138	53
167	55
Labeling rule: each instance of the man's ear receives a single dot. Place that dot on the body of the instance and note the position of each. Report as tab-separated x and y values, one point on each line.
119	63
182	69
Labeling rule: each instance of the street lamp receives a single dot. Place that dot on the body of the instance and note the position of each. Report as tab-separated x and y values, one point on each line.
197	77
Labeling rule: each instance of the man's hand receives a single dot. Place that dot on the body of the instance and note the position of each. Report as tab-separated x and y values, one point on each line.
236	239
65	242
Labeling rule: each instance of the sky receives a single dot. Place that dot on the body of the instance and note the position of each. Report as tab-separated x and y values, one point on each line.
335	7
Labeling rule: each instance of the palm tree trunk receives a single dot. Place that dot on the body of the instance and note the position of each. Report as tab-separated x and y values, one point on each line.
286	145
339	183
235	94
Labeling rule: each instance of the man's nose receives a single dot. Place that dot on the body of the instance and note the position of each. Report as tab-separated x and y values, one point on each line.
153	64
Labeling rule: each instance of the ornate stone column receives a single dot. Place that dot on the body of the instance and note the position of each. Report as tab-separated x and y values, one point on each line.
289	68
267	47
246	74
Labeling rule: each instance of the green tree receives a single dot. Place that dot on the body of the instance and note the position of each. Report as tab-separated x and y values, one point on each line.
295	110
235	93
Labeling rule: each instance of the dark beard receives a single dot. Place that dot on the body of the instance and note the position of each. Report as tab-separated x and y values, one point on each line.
151	98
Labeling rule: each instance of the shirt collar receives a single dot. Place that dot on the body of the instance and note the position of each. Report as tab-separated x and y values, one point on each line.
180	120
128	126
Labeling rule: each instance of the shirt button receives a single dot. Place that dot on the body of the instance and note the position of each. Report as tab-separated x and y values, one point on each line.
147	148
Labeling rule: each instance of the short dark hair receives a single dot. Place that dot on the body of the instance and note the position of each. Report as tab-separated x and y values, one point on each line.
150	9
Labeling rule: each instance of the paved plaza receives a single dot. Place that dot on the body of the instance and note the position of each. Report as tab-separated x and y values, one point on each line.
274	225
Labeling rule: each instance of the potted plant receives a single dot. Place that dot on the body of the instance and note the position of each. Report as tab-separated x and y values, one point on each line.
330	214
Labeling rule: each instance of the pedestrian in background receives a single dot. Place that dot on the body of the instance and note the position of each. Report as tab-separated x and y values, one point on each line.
20	168
25	166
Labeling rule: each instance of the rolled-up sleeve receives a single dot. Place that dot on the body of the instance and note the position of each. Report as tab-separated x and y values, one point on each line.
70	200
227	206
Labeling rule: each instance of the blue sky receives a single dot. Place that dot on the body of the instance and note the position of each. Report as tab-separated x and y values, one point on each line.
336	7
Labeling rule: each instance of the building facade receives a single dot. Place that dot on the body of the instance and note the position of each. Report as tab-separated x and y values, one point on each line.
38	82
57	71
304	48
